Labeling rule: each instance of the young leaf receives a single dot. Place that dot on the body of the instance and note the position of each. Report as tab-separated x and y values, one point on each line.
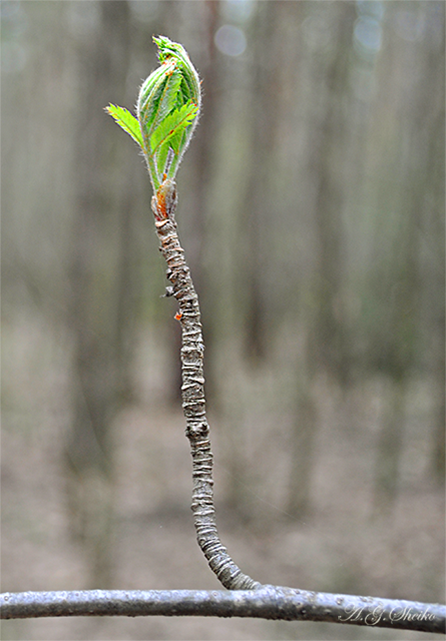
169	98
126	121
168	49
163	159
151	93
175	123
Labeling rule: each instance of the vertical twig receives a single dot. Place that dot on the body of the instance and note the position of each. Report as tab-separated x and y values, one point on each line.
168	106
194	404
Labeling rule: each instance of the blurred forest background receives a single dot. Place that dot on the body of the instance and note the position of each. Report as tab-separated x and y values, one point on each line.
311	208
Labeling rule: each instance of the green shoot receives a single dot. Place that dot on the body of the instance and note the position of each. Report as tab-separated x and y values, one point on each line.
167	112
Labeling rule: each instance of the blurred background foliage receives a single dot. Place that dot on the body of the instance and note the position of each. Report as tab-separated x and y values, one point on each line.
312	213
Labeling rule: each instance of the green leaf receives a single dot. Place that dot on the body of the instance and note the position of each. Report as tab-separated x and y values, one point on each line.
173	125
177	144
169	98
168	50
126	121
151	93
161	159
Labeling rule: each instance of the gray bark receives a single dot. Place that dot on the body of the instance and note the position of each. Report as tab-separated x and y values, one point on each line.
270	602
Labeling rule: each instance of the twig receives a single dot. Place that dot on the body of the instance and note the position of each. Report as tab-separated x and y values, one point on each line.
168	106
267	603
194	405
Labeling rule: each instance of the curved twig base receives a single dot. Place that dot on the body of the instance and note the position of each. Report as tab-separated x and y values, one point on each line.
194	404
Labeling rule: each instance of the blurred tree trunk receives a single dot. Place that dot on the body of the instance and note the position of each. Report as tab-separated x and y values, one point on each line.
395	348
302	450
101	294
438	444
433	225
396	354
255	220
389	447
326	340
258	206
409	298
327	155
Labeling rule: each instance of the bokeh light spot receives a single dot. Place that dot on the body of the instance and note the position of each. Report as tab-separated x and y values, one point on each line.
230	40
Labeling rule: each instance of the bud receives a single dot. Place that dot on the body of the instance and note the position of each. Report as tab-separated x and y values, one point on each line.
167	109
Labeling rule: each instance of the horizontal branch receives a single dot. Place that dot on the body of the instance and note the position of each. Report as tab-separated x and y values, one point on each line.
269	602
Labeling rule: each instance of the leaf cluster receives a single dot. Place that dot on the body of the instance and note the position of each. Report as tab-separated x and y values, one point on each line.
167	110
